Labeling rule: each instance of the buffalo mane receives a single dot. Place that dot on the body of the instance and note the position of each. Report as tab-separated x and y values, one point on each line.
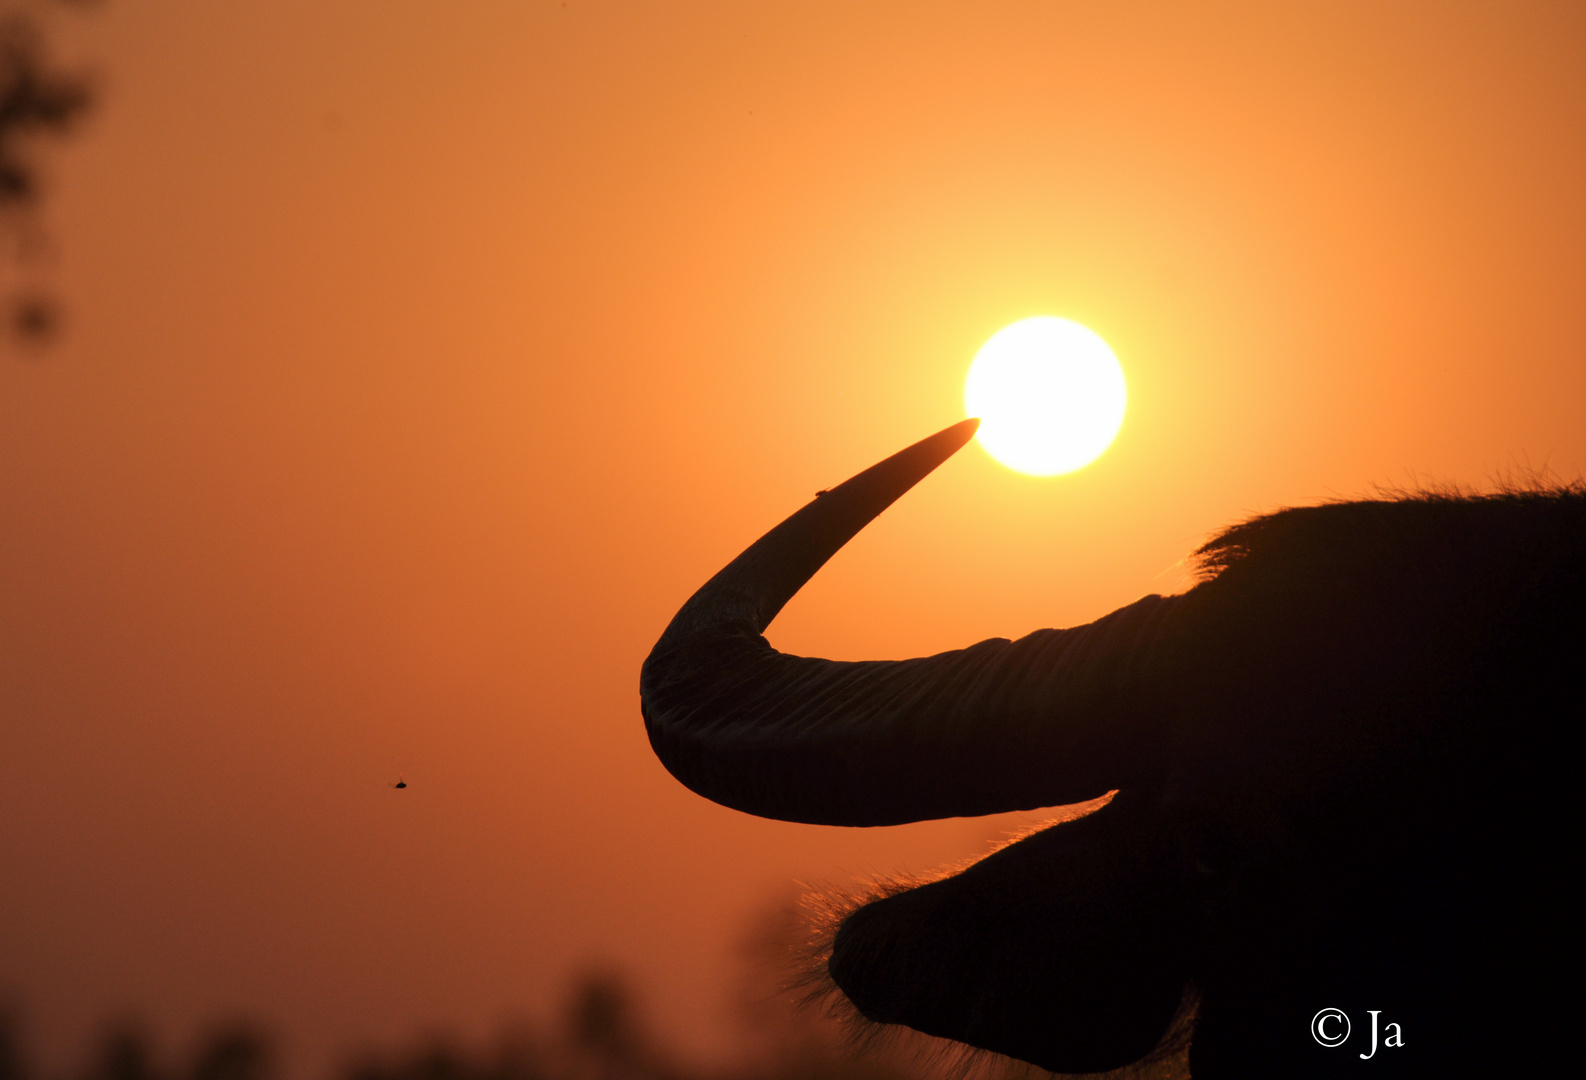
1339	531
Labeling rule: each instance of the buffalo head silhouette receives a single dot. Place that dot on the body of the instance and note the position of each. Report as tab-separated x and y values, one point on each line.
1347	767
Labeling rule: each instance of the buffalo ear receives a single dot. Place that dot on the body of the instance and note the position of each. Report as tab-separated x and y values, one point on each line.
1068	949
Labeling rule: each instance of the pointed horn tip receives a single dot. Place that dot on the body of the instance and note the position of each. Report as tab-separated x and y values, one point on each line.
912	464
768	572
954	436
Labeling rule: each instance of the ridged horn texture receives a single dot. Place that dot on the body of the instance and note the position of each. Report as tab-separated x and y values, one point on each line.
1058	716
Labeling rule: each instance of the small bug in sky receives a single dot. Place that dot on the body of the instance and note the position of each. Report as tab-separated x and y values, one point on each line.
401	783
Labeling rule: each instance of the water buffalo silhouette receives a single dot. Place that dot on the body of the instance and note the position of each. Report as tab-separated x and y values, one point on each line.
1347	766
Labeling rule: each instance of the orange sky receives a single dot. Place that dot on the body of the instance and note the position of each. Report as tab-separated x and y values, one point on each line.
425	357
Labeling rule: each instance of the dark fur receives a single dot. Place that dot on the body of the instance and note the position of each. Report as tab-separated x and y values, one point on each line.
827	910
1364	796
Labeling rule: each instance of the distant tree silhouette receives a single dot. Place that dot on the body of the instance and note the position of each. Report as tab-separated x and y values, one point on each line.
231	1051
516	1059
13	1062
601	1019
601	1034
36	99
236	1051
439	1059
125	1053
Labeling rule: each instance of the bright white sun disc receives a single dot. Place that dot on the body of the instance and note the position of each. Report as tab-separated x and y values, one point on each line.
1049	393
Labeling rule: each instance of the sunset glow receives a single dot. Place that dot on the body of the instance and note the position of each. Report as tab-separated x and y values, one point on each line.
415	363
1050	395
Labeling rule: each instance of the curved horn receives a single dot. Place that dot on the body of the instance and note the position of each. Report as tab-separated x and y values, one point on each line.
1054	717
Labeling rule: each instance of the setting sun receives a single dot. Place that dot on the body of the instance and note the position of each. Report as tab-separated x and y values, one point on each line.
1050	395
